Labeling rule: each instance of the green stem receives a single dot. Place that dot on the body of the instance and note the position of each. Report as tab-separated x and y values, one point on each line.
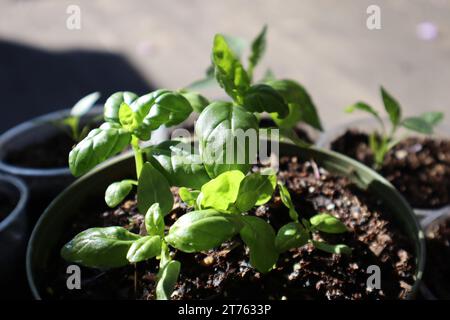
138	158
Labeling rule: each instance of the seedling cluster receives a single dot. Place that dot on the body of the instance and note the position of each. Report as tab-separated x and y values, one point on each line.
382	141
221	194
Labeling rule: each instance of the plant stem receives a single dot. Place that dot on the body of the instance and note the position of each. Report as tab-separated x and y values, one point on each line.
139	160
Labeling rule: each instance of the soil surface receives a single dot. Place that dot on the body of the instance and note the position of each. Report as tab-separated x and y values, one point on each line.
51	153
301	273
437	271
418	167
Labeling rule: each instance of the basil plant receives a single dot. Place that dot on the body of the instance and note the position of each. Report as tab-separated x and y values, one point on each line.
221	192
383	140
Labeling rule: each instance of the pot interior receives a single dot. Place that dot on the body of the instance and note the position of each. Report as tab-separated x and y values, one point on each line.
69	205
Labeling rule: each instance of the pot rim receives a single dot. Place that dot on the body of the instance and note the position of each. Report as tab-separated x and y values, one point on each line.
420	253
10	135
21	203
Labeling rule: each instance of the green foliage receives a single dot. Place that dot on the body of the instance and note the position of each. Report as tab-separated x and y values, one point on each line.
153	188
381	142
327	223
291	235
118	191
168	277
231	121
144	249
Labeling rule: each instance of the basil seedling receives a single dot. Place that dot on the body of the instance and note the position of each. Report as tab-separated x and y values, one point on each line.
299	232
71	123
382	141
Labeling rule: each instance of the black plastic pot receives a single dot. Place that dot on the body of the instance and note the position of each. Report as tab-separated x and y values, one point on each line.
43	184
12	229
369	125
67	207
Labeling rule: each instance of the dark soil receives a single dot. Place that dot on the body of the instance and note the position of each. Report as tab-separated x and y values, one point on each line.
51	153
6	206
418	167
301	273
437	271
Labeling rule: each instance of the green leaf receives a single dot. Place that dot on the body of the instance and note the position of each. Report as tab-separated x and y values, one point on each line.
258	48
301	106
161	107
154	220
392	107
84	104
362	106
153	188
144	248
99	145
118	191
196	100
168	278
229	150
287	201
433	118
229	72
127	118
221	192
417	124
100	247
259	236
178	163
263	98
327	223
203	230
255	189
291	235
189	197
332	248
112	105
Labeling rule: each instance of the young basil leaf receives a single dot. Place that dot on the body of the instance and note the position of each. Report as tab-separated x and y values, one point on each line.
417	124
153	188
196	100
254	189
84	104
161	107
229	72
327	223
332	248
112	105
258	48
362	106
178	163
202	230
168	278
221	192
154	221
127	118
263	98
433	118
118	191
259	236
189	197
144	249
99	145
301	106
235	125
392	107
100	247
291	235
287	201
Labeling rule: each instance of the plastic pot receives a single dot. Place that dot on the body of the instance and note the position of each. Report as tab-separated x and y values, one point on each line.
427	222
12	228
43	184
67	207
369	125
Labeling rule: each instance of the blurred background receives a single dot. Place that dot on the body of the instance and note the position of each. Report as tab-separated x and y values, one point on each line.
142	44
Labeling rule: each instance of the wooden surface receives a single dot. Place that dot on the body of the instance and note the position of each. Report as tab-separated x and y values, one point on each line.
323	44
